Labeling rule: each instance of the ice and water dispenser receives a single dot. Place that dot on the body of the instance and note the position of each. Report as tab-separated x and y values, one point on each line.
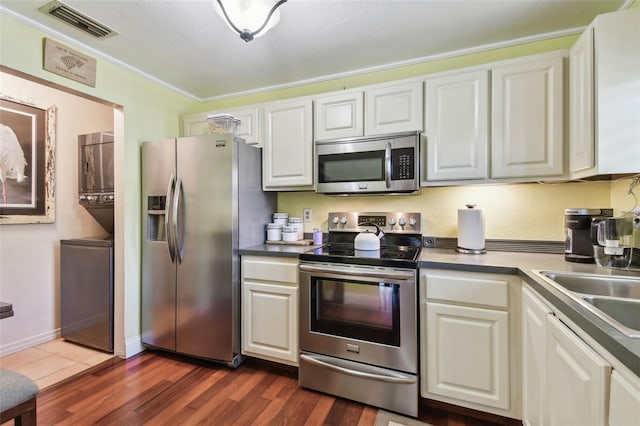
156	208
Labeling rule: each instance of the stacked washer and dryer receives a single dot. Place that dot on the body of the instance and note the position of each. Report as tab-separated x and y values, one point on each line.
86	265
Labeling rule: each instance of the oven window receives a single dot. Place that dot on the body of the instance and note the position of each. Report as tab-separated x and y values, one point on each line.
351	167
358	310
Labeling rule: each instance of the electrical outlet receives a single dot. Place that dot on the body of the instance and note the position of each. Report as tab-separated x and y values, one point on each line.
429	241
306	215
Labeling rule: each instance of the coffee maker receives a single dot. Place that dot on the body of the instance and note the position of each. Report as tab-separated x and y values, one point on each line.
577	227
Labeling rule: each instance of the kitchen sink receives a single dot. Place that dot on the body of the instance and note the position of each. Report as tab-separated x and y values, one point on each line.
626	311
613	298
598	285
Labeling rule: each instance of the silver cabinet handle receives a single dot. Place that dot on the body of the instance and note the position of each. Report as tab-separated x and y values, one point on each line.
177	238
167	219
387	165
362	374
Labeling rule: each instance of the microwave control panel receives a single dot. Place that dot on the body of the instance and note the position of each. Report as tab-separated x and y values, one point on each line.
402	163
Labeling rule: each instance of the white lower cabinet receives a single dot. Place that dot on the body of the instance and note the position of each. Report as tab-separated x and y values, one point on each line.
534	359
469	347
270	308
577	379
624	400
568	378
469	353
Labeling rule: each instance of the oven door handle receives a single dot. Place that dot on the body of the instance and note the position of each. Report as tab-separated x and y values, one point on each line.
399	379
398	275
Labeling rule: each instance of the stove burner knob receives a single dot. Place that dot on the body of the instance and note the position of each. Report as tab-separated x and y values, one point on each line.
412	221
335	220
343	220
402	221
392	221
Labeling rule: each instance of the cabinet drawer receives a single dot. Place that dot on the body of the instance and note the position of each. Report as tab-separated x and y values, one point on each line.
266	268
466	289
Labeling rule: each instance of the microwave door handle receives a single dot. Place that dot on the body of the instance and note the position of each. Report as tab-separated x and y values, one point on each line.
167	216
178	237
387	165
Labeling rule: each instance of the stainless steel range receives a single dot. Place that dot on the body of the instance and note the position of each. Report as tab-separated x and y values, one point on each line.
358	312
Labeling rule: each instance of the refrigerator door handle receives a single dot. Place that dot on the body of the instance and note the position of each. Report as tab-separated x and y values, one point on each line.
178	238
167	219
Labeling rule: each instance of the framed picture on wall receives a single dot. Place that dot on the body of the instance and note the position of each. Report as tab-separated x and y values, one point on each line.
27	162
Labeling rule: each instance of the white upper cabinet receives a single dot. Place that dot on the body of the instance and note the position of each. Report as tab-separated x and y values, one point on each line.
457	127
249	129
527	118
195	125
605	97
582	154
339	115
287	157
393	108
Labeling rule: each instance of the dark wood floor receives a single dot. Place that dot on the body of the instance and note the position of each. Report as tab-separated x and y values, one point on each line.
155	388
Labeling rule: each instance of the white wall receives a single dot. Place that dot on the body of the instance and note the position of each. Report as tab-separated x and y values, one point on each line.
29	254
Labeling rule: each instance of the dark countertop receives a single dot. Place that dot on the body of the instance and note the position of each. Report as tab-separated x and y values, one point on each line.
277	250
624	348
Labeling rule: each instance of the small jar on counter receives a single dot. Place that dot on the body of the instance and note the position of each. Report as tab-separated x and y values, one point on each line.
274	232
289	233
317	237
297	222
280	218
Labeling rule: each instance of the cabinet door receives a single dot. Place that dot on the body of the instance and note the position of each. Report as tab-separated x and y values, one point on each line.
534	358
270	321
527	119
457	126
392	109
195	125
288	146
249	128
624	400
581	106
617	91
339	116
468	354
577	379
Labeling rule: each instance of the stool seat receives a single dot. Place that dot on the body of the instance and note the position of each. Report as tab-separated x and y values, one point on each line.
17	398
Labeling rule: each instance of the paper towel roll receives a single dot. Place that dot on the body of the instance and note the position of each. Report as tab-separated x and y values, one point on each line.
471	228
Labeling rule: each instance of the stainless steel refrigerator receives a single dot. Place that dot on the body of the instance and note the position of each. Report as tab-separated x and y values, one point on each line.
202	201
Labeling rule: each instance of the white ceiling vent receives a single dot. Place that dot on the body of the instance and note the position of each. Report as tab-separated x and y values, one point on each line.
77	19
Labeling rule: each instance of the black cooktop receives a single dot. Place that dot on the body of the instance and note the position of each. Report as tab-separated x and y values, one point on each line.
388	256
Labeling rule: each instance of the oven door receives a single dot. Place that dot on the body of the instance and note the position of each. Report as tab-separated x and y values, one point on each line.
360	313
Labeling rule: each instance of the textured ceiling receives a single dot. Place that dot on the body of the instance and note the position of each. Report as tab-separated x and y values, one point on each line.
184	44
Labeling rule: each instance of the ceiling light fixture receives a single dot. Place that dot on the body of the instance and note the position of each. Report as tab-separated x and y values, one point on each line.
249	16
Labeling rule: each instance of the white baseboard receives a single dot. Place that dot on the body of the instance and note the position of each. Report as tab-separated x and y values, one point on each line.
133	346
29	342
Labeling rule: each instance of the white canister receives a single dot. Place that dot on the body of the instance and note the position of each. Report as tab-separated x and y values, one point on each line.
280	218
297	222
289	233
274	232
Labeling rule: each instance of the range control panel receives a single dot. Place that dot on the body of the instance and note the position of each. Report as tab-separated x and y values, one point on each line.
395	222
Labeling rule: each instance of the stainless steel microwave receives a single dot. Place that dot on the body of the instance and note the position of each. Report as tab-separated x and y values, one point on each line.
369	164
